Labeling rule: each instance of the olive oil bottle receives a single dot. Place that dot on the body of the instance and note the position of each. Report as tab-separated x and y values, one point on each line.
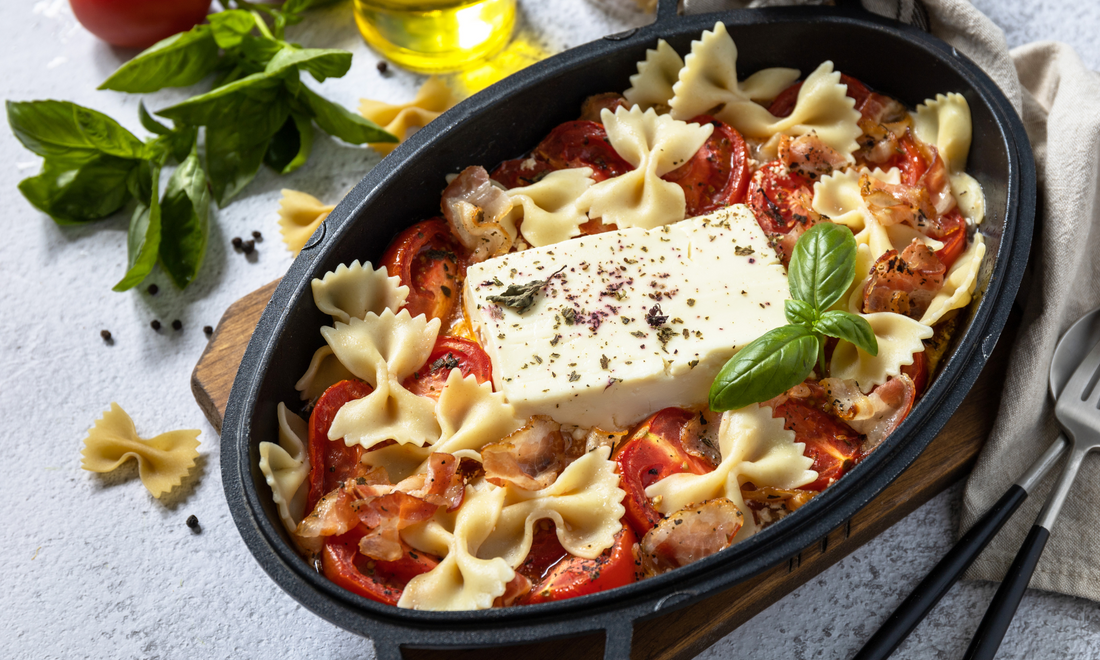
435	36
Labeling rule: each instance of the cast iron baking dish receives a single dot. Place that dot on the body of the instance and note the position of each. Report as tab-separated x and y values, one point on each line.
505	121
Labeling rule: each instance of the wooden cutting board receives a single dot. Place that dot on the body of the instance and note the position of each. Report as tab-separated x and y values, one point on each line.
685	633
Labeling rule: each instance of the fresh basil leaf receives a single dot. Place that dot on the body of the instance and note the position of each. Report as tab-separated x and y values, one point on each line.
291	146
339	122
823	265
76	194
769	366
320	62
181	141
231	162
849	327
63	130
143	239
255	105
151	124
229	27
178	61
184	216
259	51
799	313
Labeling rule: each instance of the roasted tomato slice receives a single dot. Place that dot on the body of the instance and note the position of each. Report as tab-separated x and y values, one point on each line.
581	143
381	581
449	353
652	452
572	576
782	203
832	444
784	104
332	462
910	161
718	174
917	372
431	262
520	172
950	229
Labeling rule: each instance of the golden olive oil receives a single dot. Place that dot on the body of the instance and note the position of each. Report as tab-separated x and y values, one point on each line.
436	35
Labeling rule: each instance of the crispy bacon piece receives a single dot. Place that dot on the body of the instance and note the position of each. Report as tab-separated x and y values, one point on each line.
441	485
689	535
877	144
532	457
385	517
474	208
809	157
905	283
877	414
519	587
883	109
334	515
700	436
594	104
896	203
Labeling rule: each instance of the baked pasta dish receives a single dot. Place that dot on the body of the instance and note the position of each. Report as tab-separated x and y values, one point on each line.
673	322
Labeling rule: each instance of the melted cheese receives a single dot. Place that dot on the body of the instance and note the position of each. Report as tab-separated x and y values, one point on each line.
585	352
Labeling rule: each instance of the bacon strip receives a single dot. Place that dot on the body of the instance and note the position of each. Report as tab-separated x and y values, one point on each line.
809	157
532	457
475	208
689	535
905	283
877	414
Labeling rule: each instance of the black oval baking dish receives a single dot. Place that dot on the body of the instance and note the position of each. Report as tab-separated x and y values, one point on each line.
506	120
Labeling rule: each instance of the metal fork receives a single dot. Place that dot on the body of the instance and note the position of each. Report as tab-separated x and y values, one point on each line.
1078	413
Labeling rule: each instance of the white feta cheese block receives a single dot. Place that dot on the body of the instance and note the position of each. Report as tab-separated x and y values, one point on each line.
631	321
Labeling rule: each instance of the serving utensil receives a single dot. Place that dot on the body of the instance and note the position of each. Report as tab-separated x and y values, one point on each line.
1082	335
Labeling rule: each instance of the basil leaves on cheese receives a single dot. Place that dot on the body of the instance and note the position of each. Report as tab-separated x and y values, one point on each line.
822	268
257	112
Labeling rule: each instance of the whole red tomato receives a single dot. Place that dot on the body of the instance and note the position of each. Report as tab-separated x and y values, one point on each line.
138	23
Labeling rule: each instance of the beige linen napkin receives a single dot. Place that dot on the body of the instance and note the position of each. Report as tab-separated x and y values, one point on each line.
1059	100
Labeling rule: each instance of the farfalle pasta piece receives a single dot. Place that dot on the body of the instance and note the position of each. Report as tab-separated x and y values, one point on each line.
838	197
404	119
163	461
299	216
470	416
657	73
898	336
285	467
353	291
945	123
461	581
709	80
549	207
384	349
655	145
755	447
958	286
585	503
324	371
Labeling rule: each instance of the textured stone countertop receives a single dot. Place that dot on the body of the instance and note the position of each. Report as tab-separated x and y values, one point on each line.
98	568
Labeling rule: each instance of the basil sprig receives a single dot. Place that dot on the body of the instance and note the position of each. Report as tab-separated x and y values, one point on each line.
257	111
822	268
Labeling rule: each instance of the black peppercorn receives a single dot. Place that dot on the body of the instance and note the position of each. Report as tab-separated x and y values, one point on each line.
153	289
177	325
155	324
193	522
383	67
208	330
248	247
257	235
237	241
106	334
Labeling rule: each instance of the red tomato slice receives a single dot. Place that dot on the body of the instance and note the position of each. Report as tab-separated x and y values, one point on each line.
571	576
832	444
449	353
718	174
784	104
911	162
332	462
520	172
950	229
917	372
430	261
581	143
381	581
651	453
